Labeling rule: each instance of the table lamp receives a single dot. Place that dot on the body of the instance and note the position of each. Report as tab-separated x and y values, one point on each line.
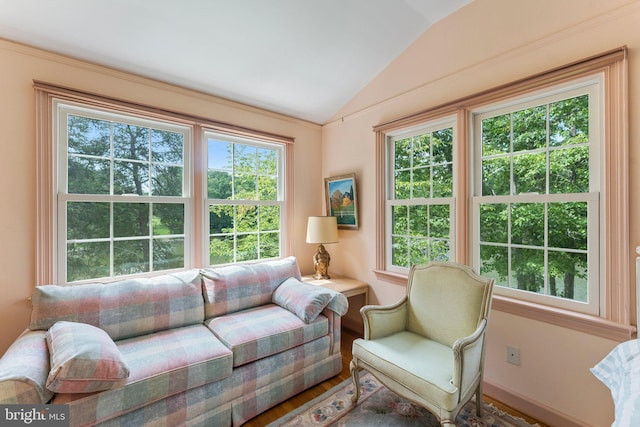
322	229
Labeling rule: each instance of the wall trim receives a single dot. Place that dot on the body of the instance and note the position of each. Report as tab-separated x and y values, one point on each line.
529	407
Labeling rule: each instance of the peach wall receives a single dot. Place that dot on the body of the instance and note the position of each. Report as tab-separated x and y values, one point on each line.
483	45
20	65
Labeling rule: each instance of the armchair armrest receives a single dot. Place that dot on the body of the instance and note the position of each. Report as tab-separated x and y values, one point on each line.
383	320
468	354
24	369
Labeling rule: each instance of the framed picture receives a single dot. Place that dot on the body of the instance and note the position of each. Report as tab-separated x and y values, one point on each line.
342	200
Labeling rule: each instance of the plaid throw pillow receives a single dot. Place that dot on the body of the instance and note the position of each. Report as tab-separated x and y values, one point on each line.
302	299
84	359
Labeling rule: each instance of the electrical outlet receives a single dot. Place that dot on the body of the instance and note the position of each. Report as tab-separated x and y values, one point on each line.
513	355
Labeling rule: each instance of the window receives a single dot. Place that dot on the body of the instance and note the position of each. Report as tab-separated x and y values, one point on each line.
537	195
244	199
420	197
125	190
122	194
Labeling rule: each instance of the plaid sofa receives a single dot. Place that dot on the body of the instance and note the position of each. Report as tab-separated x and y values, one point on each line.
211	347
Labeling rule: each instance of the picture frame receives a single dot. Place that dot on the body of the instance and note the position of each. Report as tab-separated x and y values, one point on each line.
342	200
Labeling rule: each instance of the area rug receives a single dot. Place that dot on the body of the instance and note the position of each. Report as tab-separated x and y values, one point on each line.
378	406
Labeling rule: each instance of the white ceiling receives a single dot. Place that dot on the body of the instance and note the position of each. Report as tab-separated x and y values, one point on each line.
303	58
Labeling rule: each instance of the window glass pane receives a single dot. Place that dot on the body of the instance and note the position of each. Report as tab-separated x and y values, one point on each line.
241	172
168	218
267	162
399	219
87	260
167	147
130	257
569	121
494	262
247	247
527	224
110	158
530	173
400	251
269	218
402	185
88	136
442	181
443	145
421	150
569	170
87	220
421	183
494	222
221	250
439	221
269	245
496	177
245	187
88	176
418	220
527	269
131	142
568	225
167	180
419	250
267	188
496	135
439	250
130	219
219	184
530	129
168	253
246	218
221	219
402	154
130	178
245	159
568	275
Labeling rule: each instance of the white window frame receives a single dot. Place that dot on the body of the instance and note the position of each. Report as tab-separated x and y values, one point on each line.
62	109
281	182
391	202
591	86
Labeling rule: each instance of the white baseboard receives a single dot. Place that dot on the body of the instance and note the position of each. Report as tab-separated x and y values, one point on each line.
537	410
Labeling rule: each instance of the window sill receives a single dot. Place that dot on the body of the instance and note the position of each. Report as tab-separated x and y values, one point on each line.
591	325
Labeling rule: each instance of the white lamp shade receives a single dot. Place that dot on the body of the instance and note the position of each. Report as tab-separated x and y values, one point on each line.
322	229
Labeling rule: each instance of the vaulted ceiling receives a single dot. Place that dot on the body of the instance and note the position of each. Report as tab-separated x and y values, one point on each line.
302	58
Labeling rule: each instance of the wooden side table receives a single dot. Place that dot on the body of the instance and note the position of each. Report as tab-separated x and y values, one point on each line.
345	285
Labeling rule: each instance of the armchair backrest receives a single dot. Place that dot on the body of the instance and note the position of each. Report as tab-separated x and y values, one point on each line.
447	301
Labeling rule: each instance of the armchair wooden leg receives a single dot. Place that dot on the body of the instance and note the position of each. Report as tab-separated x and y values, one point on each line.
355	377
479	400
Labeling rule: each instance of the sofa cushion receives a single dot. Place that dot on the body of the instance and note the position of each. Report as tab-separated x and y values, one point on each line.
302	299
162	364
84	359
262	331
123	309
241	286
24	369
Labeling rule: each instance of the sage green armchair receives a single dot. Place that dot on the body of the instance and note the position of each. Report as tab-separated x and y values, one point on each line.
429	347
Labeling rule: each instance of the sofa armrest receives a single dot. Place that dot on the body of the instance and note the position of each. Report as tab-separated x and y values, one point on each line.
24	369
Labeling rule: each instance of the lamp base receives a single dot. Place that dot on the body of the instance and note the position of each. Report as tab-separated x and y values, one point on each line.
321	261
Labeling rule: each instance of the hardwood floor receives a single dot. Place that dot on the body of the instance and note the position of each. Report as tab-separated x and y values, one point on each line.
300	399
